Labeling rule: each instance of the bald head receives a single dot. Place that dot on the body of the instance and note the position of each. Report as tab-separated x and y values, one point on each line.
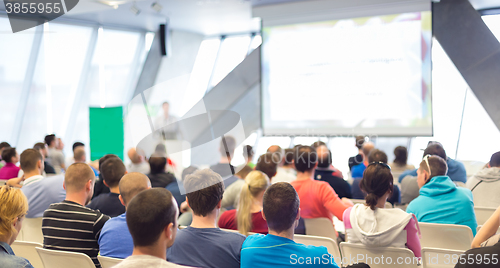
134	156
131	184
77	176
79	154
367	148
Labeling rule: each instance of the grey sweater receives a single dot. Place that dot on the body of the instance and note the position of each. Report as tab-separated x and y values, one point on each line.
485	186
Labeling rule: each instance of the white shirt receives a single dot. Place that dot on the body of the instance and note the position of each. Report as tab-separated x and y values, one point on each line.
171	132
140	261
284	175
142	167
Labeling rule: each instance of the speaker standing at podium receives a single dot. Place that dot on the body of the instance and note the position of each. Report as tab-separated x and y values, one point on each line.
171	132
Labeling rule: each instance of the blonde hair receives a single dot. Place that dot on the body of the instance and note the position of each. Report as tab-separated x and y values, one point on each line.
13	204
255	182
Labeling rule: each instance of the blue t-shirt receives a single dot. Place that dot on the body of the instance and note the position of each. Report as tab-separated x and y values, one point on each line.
206	247
42	193
274	251
115	240
108	204
358	170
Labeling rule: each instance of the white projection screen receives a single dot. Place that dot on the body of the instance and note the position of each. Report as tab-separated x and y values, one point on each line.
365	74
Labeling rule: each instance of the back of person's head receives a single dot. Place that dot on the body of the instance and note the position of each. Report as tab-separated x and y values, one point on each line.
157	164
161	150
112	171
288	158
268	163
280	206
79	154
256	182
367	148
495	160
376	182
39	146
227	145
276	150
49	139
317	144
435	148
437	166
77	176
4	144
149	213
324	156
31	159
134	156
8	153
248	152
400	155
204	189
188	170
106	157
78	144
13	206
377	155
305	158
360	140
131	184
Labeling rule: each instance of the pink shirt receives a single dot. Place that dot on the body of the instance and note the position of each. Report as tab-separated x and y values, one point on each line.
9	171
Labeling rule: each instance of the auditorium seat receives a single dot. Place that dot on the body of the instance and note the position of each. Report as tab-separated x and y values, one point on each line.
31	230
108	262
402	257
64	259
445	236
330	244
320	227
440	258
483	214
28	251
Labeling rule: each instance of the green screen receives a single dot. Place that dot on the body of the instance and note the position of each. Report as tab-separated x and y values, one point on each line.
106	132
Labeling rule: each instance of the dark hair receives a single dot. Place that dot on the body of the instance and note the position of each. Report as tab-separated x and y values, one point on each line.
325	160
188	170
495	160
231	145
106	157
76	144
288	157
377	181
29	159
268	164
438	166
401	154
161	149
39	146
280	205
360	140
317	144
435	149
157	164
112	171
8	153
204	189
4	144
248	151
305	158
49	139
377	155
148	213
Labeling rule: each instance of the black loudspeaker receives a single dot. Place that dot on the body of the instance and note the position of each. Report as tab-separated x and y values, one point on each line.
163	39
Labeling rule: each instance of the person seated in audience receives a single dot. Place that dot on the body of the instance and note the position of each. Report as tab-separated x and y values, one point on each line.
374	225
440	200
375	155
319	200
100	187
158	175
248	154
56	156
112	171
357	170
357	159
400	163
69	225
248	216
71	159
487	234
226	150
485	184
9	170
40	191
281	210
326	172
42	148
186	217
286	171
456	170
115	240
80	156
153	229
484	257
138	164
13	207
202	244
3	145
267	163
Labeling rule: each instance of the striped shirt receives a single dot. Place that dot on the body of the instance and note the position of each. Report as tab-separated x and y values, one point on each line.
72	227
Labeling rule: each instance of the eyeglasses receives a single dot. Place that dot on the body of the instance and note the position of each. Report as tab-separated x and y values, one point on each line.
380	163
426	159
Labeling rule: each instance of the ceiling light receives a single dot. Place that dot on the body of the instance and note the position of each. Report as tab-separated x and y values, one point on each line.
134	9
156	6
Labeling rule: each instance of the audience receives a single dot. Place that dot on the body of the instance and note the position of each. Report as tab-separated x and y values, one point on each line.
42	148
138	164
248	154
286	171
80	156
226	150
100	187
69	225
357	159
357	171
187	214
9	170
374	225
248	216
56	157
3	145
202	244
319	200
71	159
158	172
13	208
40	191
400	163
440	200
326	172
486	184
276	249
115	240
112	171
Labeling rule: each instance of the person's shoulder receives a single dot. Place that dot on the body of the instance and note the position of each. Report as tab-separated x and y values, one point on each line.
252	239
232	236
228	213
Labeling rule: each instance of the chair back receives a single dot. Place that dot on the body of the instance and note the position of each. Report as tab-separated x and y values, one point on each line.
108	262
64	259
440	258
27	250
320	227
445	236
483	214
330	244
378	257
32	230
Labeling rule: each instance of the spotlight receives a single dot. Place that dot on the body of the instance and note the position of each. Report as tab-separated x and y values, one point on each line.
134	9
156	6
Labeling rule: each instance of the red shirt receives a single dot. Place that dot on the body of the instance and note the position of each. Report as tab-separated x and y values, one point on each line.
228	221
9	171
